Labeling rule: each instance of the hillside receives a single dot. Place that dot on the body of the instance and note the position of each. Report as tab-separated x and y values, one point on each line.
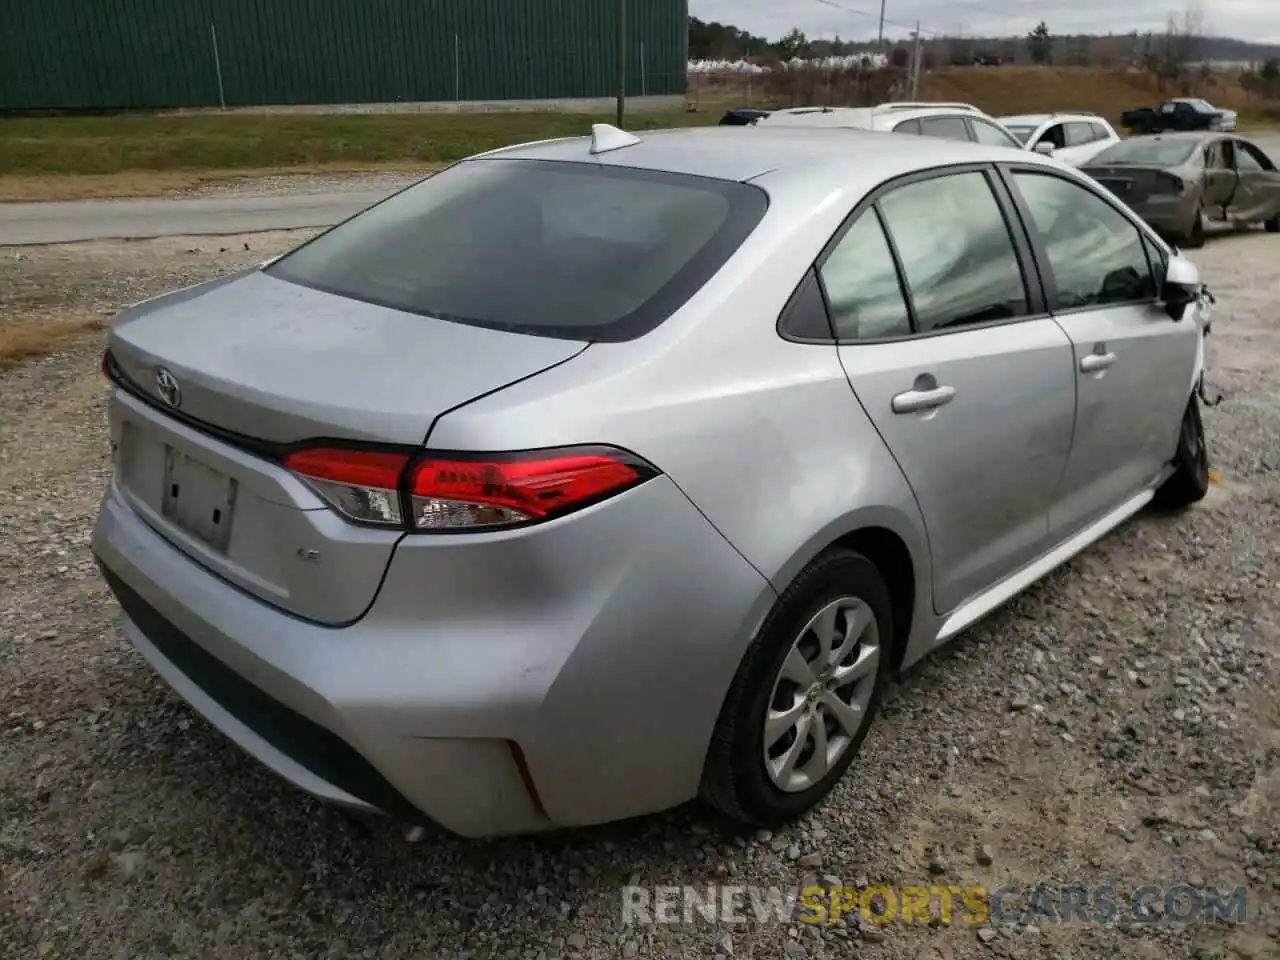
1003	90
998	90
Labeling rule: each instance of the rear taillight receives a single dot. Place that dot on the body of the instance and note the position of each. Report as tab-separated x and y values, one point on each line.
453	493
362	485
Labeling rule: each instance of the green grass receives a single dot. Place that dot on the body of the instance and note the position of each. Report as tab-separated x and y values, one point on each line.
111	145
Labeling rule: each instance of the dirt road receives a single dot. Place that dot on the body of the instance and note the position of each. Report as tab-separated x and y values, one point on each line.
1117	725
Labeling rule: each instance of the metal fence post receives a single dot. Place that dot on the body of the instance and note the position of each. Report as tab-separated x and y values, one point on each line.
644	80
457	72
217	66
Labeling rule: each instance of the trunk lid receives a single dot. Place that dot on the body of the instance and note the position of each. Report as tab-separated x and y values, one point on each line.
266	362
272	360
1132	183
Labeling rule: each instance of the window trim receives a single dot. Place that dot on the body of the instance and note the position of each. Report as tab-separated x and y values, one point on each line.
1032	281
1007	172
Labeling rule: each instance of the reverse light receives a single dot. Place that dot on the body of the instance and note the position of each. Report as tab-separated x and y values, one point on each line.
454	493
362	485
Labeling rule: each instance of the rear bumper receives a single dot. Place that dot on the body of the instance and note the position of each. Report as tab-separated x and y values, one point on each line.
576	680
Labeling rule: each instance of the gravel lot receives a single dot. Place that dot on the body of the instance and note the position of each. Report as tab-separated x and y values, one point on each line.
1119	724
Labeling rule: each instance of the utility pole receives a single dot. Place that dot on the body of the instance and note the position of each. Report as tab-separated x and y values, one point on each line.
880	35
915	63
622	60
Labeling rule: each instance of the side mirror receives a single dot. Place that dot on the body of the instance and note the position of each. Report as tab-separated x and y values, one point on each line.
1181	286
1044	148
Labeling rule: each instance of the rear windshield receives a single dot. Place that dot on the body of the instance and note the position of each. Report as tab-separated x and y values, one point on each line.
571	250
1143	150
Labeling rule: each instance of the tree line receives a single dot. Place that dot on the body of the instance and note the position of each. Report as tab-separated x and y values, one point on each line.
1168	52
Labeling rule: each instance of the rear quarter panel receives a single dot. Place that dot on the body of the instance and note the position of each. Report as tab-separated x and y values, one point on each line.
763	435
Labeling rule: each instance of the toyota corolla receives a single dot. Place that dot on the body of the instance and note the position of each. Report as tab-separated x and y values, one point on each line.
588	477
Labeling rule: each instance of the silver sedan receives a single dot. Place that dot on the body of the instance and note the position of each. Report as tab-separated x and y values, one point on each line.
591	476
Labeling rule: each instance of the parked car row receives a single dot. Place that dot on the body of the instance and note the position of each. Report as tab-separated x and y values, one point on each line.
1180	182
1071	137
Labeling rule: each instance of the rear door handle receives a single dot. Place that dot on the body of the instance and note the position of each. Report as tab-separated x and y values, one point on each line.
1096	361
913	401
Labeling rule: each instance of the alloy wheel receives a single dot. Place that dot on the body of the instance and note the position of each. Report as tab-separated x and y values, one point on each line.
821	695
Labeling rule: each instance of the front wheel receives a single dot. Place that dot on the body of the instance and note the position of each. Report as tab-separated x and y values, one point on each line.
1272	225
803	697
1190	479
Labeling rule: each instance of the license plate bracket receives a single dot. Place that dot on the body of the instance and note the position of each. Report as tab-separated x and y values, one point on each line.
198	499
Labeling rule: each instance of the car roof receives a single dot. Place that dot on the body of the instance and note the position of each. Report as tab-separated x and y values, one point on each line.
1029	119
745	153
867	117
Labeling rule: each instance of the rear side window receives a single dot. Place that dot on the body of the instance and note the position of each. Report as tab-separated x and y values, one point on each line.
958	256
1100	131
571	250
861	282
908	126
1079	133
948	128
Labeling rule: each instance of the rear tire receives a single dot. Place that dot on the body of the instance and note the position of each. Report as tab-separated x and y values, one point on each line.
1273	225
1190	479
766	765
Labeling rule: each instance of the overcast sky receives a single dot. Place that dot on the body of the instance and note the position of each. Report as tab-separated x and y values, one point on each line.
1257	20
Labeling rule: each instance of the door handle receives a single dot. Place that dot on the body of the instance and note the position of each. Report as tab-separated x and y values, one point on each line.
914	401
1096	361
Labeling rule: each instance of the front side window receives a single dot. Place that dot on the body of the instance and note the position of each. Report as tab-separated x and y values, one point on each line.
1096	255
948	128
957	254
861	282
571	250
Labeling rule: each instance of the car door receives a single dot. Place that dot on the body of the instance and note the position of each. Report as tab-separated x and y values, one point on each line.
1220	178
1257	194
1132	363
949	350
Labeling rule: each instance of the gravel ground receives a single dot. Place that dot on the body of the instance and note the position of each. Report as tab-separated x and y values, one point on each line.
1116	725
296	184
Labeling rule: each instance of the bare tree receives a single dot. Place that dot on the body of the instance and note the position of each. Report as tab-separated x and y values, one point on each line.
1183	40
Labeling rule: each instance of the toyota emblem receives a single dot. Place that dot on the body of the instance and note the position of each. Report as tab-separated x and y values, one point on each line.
168	389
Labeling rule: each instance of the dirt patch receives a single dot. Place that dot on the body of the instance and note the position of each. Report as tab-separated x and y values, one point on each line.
19	188
25	340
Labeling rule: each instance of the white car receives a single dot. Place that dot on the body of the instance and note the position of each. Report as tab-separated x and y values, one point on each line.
948	121
1074	138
